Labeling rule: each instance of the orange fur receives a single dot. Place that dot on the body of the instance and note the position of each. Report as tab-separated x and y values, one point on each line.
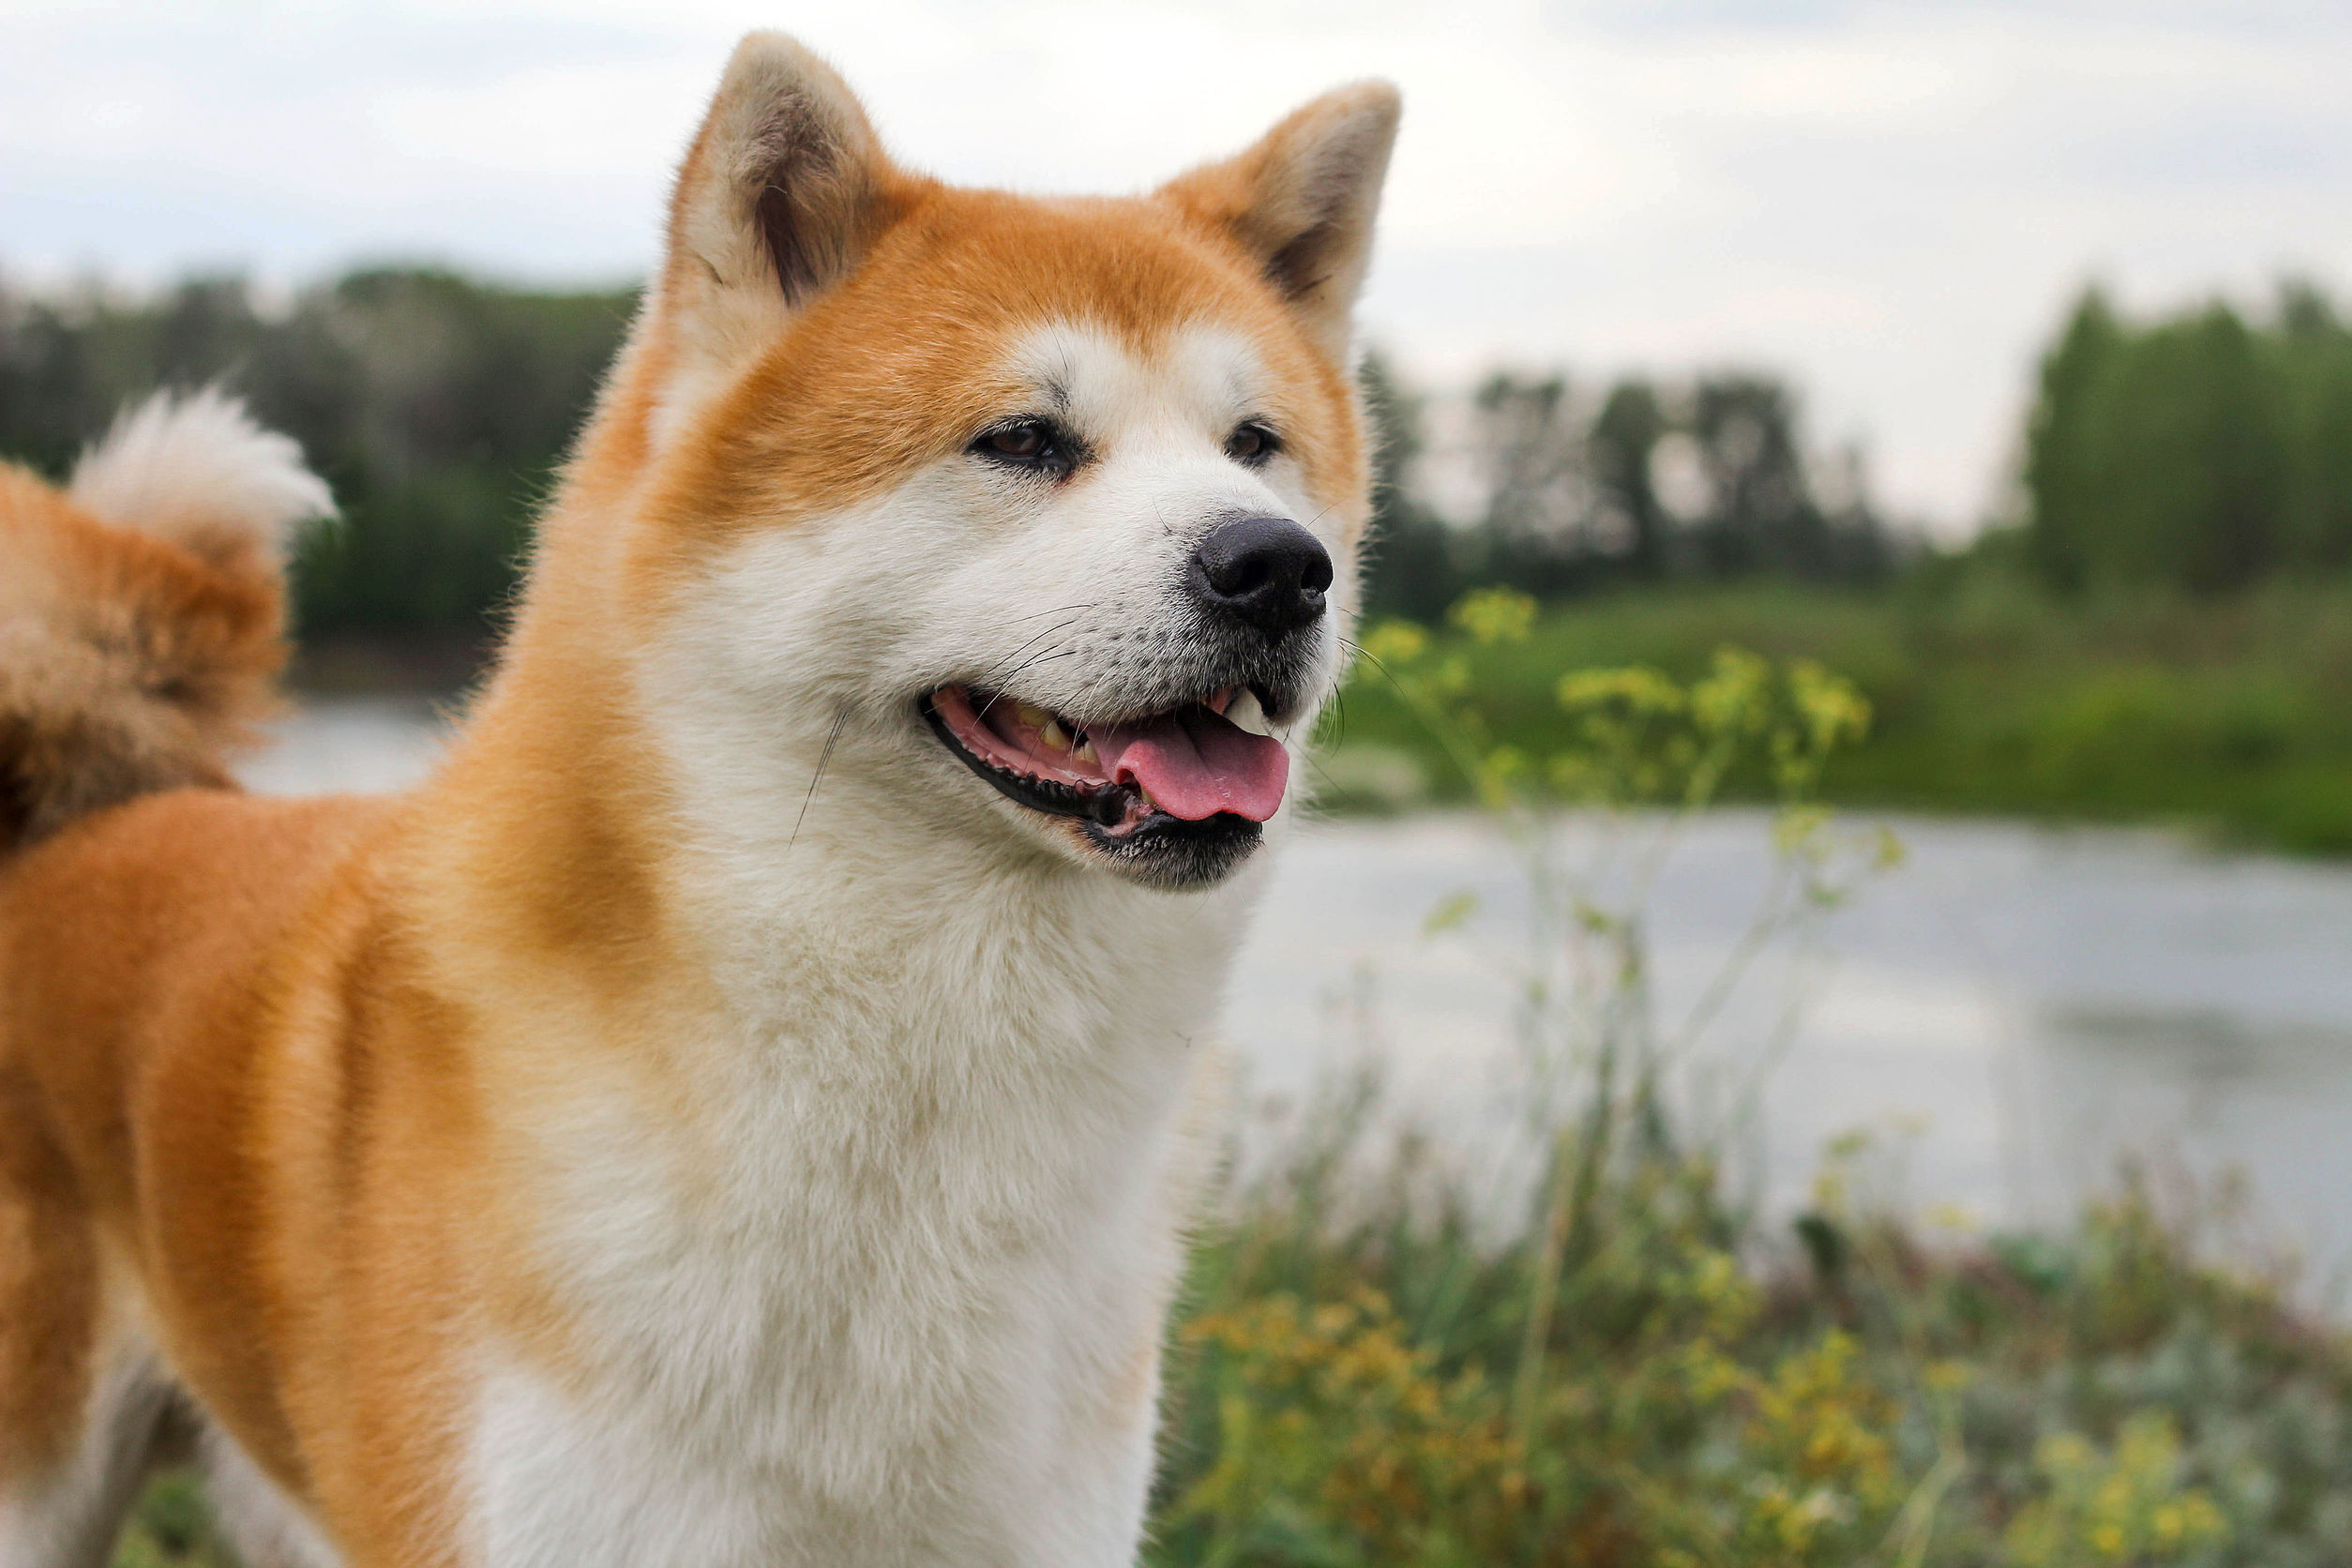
127	662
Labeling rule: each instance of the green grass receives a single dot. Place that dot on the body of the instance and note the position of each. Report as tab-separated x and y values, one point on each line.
2232	716
1349	1396
172	1527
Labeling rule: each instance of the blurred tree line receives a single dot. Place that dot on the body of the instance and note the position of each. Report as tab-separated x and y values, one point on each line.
2202	451
436	405
1557	494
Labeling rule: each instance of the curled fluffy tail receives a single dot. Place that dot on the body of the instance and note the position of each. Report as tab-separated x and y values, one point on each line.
143	609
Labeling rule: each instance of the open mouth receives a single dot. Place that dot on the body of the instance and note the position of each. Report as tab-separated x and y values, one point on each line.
1211	766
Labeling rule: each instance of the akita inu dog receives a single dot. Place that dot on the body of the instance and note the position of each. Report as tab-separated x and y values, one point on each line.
742	1109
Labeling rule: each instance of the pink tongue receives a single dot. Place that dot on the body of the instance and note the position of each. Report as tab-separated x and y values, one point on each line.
1196	763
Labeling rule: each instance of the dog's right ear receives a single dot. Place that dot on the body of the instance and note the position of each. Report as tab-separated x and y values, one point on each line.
784	189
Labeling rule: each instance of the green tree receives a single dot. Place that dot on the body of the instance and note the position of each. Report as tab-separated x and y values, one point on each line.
2202	451
2315	356
1762	516
1411	567
2059	475
1623	444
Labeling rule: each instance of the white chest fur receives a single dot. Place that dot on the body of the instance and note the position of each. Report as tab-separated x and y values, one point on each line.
893	1291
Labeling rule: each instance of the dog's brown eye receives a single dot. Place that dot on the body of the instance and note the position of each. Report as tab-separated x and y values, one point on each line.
1037	445
1251	442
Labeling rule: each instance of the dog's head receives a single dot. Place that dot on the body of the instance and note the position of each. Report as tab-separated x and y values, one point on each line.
1033	520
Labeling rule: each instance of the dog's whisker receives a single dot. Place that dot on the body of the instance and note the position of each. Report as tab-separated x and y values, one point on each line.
993	679
833	737
1021	670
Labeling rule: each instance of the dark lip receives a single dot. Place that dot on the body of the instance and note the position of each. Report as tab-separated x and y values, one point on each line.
1175	855
1104	806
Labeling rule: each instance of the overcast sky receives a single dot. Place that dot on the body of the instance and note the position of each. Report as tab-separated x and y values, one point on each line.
1889	204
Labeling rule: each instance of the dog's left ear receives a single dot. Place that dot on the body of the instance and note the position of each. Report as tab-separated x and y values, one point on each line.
1302	202
782	192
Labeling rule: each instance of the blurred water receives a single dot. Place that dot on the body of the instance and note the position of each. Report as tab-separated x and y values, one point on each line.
355	743
2011	1010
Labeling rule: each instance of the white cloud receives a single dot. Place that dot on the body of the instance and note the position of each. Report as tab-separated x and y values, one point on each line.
1891	202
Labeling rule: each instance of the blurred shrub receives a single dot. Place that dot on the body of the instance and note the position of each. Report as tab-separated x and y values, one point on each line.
1986	695
1639	1375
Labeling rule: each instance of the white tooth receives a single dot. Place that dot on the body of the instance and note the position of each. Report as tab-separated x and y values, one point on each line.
1246	712
1085	752
1054	736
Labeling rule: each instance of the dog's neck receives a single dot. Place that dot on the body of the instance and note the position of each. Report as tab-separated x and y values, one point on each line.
851	1050
852	931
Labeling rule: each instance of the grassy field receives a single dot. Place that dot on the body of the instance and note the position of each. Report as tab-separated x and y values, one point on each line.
2232	716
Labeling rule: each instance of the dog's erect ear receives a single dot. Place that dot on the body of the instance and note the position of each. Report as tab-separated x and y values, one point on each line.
1303	201
784	189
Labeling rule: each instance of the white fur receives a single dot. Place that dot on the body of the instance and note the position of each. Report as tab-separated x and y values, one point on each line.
269	1529
891	1292
67	1518
184	465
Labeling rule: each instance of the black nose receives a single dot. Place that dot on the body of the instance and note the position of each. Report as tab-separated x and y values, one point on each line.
1267	571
